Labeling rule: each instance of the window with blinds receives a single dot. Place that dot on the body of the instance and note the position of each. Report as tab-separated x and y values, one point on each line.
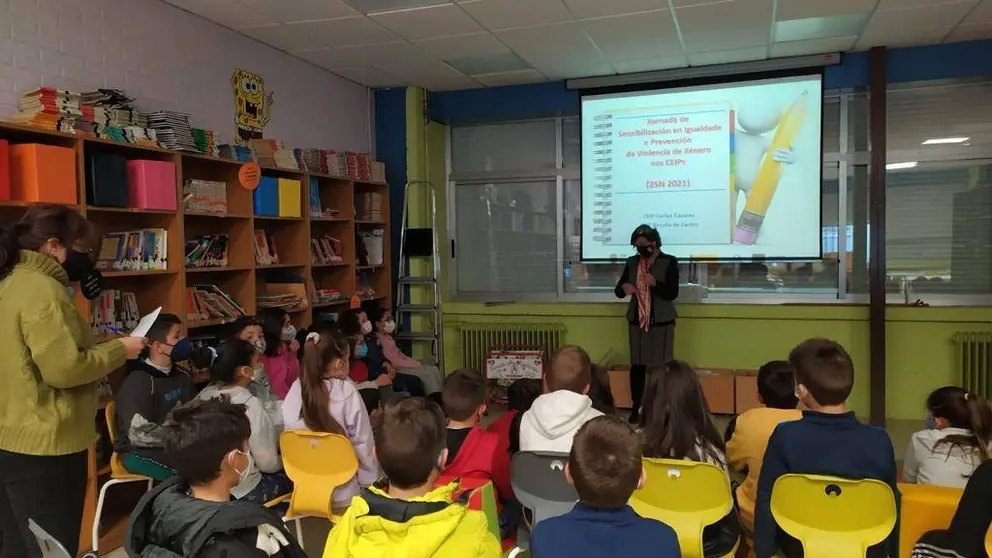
938	237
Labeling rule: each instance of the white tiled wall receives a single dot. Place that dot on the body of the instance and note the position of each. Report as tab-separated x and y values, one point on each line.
170	59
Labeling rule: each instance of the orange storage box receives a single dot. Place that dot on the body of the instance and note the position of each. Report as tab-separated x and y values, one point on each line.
43	173
718	387
746	388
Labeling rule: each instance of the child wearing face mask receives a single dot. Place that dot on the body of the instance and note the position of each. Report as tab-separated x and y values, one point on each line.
192	514
383	328
150	391
373	378
249	328
279	358
323	399
232	373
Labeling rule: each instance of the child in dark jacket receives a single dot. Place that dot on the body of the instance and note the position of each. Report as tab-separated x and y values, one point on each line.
149	392
192	515
827	440
604	465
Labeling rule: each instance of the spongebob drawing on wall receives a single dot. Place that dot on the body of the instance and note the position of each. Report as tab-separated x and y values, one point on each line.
252	106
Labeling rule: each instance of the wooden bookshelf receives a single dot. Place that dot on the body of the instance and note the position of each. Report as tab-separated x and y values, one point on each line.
242	278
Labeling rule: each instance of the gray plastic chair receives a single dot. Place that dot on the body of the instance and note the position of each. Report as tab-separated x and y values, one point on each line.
538	481
50	546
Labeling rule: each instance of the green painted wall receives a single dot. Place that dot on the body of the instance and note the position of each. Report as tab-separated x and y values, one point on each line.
919	351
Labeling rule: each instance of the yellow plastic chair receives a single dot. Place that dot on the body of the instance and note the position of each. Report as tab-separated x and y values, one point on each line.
118	475
686	495
924	507
833	517
988	541
317	463
487	504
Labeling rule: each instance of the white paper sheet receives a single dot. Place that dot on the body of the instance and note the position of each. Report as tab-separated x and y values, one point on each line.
146	323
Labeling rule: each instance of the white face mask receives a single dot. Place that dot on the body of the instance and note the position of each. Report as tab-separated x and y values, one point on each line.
367	328
389	326
242	475
289	333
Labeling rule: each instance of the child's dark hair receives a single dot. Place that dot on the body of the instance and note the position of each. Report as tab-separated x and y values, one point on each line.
605	462
376	313
272	320
967	411
522	393
676	419
825	368
159	332
39	223
200	433
409	438
463	392
350	321
600	391
571	369
315	392
244	322
777	385
232	355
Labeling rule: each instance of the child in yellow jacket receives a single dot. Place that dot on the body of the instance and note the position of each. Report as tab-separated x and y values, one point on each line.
411	518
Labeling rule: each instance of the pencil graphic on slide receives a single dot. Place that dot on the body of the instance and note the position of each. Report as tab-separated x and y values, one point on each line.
769	174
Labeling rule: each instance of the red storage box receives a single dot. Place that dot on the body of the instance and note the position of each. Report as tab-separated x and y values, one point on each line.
43	173
151	185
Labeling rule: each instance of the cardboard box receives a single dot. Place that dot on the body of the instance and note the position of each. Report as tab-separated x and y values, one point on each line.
718	387
620	386
43	173
746	385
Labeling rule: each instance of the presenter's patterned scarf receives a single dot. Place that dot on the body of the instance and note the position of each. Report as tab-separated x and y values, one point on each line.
644	293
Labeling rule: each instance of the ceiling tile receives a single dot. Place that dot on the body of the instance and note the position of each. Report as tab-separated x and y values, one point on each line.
934	15
571	68
814	46
490	64
370	6
726	25
564	40
476	44
900	36
684	3
584	9
896	4
665	63
432	75
288	11
981	14
230	13
510	78
338	32
801	9
970	32
629	37
425	23
496	15
819	27
364	55
728	56
365	75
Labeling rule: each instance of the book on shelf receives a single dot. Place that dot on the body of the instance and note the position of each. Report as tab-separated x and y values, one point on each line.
327	296
286	301
210	302
265	248
368	206
139	250
205	196
326	250
209	250
290	292
114	312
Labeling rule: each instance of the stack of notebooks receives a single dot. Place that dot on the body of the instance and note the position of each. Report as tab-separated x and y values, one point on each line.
274	153
172	129
110	114
287	301
209	250
315	160
49	109
209	302
326	250
327	296
336	164
235	153
134	250
204	140
205	196
368	206
265	249
359	166
114	312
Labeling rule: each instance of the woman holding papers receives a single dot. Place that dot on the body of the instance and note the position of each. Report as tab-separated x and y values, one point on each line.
651	280
49	380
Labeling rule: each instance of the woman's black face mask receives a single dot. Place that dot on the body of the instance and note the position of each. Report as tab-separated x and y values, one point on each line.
80	268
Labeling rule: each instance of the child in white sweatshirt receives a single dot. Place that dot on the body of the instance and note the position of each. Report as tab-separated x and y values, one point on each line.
554	418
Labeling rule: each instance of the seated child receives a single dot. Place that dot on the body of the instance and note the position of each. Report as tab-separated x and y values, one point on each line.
519	398
232	373
410	517
355	322
473	452
192	514
751	430
149	392
827	440
676	424
249	328
383	327
323	399
604	465
282	366
955	441
556	415
965	537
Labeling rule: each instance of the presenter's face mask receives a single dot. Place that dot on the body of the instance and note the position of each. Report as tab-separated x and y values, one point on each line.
645	251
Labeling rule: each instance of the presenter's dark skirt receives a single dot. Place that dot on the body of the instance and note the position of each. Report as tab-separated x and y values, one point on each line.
653	347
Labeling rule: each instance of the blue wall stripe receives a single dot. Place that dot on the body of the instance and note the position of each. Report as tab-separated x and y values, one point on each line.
390	148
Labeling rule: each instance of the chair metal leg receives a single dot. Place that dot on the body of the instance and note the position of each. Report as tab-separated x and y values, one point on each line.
299	531
99	508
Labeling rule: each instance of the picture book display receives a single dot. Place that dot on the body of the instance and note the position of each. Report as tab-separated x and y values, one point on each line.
209	302
114	312
265	248
209	250
326	250
138	250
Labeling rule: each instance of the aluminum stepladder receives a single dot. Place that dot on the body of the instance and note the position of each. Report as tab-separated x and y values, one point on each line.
420	244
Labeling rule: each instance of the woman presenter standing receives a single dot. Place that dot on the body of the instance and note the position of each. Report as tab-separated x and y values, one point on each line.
651	280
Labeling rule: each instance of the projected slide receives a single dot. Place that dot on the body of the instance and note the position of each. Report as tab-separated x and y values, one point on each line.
724	172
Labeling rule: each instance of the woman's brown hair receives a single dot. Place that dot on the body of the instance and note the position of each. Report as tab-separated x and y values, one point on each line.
317	356
967	411
40	223
676	420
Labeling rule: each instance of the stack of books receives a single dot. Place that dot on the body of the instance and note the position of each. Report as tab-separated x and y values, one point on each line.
139	250
315	160
286	301
49	109
209	302
359	166
235	153
368	206
336	164
265	249
114	312
205	196
325	250
209	250
327	296
172	129
204	140
274	153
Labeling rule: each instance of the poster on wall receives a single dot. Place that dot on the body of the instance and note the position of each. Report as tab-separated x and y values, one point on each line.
252	106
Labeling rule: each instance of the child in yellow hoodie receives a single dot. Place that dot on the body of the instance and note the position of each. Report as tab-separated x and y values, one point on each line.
410	518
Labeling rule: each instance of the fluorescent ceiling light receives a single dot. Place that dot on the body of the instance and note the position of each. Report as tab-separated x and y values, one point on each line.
899	166
940	141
